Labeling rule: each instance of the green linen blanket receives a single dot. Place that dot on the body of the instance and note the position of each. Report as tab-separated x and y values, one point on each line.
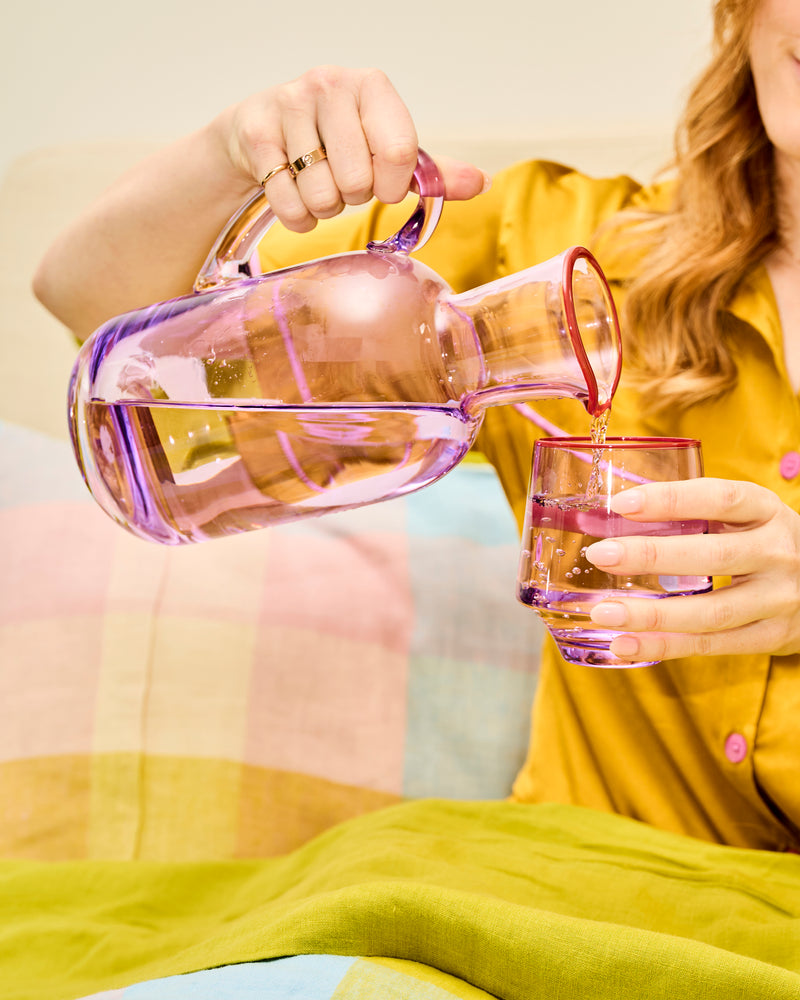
523	902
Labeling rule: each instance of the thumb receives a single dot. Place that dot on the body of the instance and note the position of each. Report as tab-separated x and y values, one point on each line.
462	180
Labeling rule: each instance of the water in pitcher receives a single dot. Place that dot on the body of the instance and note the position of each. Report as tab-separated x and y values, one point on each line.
188	474
322	386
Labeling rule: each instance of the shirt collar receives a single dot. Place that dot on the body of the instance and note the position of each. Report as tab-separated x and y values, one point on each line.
754	303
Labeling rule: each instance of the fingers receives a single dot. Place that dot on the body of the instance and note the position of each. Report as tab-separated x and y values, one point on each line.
757	544
297	112
390	137
367	133
727	608
366	130
679	555
736	619
749	529
734	504
775	630
763	598
754	638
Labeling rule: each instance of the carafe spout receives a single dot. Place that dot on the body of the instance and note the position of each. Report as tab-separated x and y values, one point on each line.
549	331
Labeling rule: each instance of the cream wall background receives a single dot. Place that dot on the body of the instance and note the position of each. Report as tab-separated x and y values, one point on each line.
93	70
88	86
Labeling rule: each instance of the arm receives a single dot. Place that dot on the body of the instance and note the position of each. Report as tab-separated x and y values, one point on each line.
145	239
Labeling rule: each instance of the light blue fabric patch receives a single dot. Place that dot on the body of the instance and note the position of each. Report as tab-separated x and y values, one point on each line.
465	595
467	730
306	977
466	503
475	650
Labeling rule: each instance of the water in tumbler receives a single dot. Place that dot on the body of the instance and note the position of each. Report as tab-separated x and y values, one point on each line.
562	530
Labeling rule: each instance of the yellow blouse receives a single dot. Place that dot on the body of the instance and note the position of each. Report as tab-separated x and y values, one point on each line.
707	746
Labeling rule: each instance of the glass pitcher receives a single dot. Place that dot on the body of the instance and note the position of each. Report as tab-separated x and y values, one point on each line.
341	382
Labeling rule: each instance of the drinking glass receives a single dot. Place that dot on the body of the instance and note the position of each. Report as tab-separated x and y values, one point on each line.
572	482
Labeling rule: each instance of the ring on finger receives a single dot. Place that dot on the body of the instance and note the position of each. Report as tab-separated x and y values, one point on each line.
306	160
276	170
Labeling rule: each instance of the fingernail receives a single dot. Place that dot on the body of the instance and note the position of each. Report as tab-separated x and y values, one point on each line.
609	613
487	182
625	645
627	502
605	553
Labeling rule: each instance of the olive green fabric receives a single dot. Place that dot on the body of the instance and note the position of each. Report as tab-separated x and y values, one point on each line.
521	901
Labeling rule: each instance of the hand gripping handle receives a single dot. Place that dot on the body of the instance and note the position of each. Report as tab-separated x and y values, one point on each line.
230	257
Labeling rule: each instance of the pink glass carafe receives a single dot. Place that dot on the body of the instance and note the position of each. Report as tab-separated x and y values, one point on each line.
344	381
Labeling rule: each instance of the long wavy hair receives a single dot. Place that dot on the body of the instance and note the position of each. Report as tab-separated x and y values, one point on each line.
722	222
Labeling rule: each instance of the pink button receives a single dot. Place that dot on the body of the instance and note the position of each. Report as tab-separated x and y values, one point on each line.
790	464
736	748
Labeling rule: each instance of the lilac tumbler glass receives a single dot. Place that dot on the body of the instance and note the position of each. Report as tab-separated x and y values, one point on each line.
572	482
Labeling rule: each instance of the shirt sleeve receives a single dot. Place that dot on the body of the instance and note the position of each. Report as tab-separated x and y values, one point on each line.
533	211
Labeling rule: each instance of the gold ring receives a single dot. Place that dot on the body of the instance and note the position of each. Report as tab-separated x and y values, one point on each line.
275	170
306	160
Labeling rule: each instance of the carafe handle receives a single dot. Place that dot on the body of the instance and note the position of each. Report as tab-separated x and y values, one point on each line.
230	257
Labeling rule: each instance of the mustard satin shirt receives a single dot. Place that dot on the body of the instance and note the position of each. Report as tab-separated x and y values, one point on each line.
706	746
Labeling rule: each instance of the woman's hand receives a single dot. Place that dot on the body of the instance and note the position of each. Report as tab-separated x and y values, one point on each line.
148	234
365	128
754	539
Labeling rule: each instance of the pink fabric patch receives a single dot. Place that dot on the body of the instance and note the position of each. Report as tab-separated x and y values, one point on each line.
352	586
55	560
52	601
330	669
48	685
329	707
219	580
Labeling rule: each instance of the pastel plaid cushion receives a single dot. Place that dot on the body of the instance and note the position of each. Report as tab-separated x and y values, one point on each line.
235	698
312	977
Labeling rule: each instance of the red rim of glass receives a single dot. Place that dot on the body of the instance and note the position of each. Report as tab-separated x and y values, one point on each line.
570	257
618	442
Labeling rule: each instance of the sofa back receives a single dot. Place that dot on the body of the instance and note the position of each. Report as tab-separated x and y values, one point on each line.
235	698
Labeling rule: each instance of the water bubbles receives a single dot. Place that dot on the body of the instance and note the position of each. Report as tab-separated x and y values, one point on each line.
560	552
